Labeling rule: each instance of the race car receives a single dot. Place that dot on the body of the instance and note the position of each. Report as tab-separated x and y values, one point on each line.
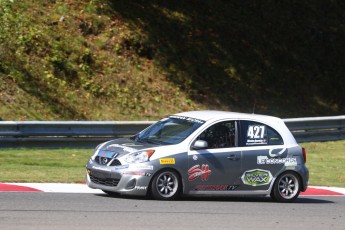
203	153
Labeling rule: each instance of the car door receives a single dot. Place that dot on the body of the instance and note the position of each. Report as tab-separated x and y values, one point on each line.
263	155
216	167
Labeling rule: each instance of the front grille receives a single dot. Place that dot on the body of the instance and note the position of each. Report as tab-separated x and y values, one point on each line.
116	162
106	160
107	182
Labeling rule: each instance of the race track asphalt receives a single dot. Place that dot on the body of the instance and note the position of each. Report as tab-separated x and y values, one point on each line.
75	206
48	210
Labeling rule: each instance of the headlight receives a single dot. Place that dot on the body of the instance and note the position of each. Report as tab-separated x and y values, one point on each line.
138	157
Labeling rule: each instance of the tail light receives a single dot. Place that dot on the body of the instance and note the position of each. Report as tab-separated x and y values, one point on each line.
304	155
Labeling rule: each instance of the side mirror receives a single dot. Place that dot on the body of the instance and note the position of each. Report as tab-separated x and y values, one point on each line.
200	144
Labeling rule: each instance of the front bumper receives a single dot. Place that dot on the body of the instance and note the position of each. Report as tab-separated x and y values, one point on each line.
124	179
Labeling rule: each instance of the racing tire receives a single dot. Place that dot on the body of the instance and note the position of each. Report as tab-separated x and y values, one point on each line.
166	185
286	188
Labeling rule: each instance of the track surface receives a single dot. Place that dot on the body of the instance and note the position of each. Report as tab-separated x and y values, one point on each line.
32	210
61	206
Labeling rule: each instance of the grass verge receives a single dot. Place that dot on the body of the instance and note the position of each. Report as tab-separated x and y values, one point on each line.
325	161
43	165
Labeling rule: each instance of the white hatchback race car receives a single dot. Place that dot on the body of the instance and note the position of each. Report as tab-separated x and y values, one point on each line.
203	153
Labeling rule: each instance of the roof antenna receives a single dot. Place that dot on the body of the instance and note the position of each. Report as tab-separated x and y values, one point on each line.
254	108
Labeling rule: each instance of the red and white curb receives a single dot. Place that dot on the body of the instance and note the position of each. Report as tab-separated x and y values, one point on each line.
47	187
83	188
323	191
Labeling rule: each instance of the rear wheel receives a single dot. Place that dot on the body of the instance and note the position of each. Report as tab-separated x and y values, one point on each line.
286	188
166	185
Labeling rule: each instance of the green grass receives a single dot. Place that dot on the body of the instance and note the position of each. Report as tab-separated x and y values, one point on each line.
325	161
43	165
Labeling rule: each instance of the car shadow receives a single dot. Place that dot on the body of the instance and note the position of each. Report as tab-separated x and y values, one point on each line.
312	200
299	200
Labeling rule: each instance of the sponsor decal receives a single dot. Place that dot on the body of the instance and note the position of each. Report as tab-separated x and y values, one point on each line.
195	157
167	161
148	167
196	171
137	173
101	169
272	154
256	177
107	154
256	135
188	119
291	163
140	187
120	167
262	160
215	187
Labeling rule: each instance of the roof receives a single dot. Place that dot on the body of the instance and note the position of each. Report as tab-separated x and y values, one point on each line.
213	114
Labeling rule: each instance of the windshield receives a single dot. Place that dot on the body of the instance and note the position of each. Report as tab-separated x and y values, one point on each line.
168	131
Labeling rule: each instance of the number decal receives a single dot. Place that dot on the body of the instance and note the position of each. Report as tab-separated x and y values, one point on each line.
256	135
250	132
256	131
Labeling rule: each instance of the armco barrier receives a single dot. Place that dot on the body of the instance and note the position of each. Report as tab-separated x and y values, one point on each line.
88	134
312	129
64	134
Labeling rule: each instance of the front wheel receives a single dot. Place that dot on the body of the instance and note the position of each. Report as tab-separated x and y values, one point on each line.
165	185
286	188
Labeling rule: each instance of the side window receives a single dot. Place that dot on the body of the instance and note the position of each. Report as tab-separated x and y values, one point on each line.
256	134
220	135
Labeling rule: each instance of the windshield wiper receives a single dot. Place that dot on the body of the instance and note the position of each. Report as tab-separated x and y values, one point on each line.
150	141
137	139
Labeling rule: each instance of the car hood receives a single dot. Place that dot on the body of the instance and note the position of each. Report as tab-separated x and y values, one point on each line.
123	146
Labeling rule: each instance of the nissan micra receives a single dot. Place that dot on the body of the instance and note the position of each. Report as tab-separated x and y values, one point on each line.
203	153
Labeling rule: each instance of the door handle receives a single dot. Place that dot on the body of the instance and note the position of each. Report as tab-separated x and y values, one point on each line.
233	158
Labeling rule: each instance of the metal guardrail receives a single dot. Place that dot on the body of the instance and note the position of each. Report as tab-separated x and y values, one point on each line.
313	129
64	134
88	134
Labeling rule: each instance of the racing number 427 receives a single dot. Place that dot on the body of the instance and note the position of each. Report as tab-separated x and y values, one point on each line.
256	131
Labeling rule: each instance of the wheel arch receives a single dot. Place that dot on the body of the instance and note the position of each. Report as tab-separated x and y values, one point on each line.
273	191
164	169
293	171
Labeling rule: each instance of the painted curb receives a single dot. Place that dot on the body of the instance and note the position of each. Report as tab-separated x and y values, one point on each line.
48	187
323	191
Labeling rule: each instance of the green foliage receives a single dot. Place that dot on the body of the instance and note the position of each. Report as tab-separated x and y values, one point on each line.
120	60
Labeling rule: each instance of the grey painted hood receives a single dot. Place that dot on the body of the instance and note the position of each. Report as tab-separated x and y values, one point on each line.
123	146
